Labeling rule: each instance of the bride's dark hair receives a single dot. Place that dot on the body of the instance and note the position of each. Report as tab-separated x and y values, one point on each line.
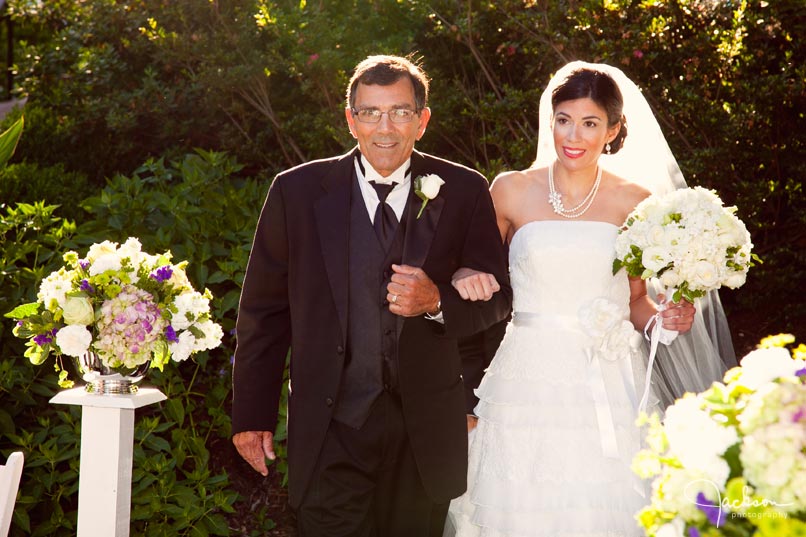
602	90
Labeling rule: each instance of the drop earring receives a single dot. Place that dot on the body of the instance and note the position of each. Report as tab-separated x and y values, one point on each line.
607	148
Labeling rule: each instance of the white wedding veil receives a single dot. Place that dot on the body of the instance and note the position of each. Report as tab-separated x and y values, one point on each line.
696	359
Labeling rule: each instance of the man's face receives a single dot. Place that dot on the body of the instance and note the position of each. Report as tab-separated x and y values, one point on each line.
387	145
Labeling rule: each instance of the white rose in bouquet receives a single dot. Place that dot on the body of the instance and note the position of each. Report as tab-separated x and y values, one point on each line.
78	310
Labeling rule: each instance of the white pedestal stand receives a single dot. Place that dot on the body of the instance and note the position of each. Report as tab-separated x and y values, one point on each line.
105	470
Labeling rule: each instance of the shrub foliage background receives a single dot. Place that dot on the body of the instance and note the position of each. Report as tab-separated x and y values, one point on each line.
167	120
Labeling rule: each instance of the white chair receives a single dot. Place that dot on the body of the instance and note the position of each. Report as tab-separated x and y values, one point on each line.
9	484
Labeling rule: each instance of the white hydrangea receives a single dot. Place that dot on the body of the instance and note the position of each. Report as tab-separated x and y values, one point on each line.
212	336
676	489
773	450
183	347
764	365
104	263
189	307
697	440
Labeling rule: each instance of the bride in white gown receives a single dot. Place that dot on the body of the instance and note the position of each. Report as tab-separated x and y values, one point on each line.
556	431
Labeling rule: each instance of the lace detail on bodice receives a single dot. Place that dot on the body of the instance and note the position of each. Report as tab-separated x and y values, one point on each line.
557	267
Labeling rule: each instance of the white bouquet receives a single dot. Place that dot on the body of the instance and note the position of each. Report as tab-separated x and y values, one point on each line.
127	306
688	240
731	461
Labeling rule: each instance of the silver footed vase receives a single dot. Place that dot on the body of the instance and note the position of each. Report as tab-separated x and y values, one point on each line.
104	380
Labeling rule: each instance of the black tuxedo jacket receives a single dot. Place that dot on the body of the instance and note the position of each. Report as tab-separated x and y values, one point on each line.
295	296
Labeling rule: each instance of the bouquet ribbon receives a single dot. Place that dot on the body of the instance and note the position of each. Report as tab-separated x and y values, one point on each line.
657	335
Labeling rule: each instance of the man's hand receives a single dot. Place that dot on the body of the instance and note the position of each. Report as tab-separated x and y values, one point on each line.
472	421
677	315
255	447
474	285
411	292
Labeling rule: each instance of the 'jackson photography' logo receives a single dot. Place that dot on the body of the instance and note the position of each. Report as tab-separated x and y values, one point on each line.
714	511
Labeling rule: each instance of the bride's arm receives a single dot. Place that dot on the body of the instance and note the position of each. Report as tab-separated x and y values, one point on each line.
472	284
677	316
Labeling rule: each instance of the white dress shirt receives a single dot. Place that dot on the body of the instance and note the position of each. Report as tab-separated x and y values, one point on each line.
397	197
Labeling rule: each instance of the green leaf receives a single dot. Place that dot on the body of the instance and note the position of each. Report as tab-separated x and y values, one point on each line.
9	139
24	310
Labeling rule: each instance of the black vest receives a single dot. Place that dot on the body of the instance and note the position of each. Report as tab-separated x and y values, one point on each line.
371	360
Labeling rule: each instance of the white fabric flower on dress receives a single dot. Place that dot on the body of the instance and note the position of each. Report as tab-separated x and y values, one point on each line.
612	336
599	316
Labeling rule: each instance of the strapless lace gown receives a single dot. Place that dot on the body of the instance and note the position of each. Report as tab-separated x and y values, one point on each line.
552	451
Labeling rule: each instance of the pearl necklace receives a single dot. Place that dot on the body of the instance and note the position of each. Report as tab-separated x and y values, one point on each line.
555	198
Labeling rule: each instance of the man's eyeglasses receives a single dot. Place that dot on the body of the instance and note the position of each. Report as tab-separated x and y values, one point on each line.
373	115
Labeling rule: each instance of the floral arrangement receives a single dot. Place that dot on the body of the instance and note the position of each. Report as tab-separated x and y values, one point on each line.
121	303
689	240
731	461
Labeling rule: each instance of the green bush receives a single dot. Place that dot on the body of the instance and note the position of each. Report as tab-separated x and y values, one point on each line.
29	182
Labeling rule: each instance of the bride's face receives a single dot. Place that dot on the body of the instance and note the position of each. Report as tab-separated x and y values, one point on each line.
580	132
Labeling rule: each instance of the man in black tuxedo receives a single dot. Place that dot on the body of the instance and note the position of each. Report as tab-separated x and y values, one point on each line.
346	272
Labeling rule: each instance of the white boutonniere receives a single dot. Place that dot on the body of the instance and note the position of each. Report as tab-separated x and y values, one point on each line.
427	187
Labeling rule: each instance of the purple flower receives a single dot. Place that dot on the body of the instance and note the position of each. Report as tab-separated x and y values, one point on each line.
799	415
162	273
693	532
712	511
86	287
170	334
84	264
801	373
42	339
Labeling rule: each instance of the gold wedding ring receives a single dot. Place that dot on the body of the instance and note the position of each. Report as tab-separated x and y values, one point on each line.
394	299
